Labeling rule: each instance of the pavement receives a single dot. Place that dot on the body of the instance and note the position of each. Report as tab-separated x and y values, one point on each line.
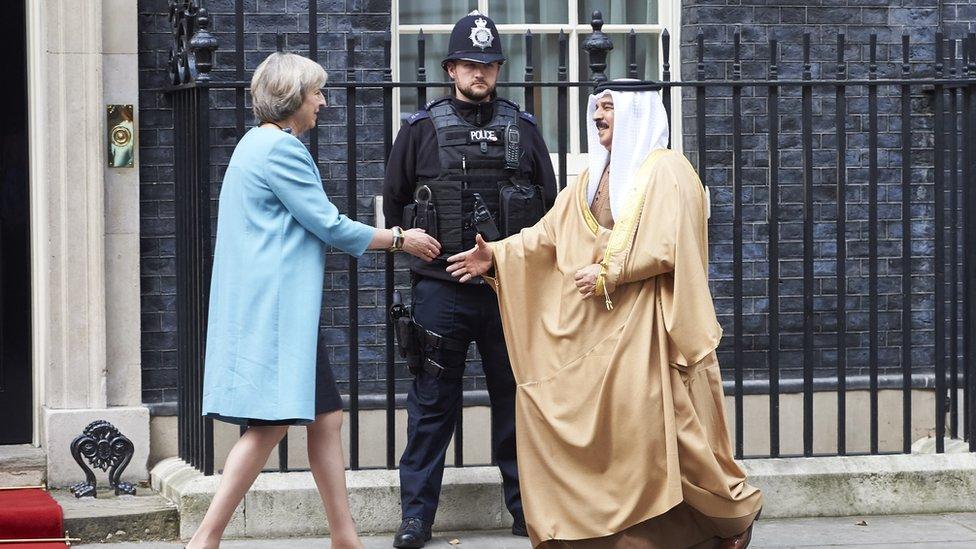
940	531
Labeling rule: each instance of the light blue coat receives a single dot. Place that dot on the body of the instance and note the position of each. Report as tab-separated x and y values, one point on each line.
273	226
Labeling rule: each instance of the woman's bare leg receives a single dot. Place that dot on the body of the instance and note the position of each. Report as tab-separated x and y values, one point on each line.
243	464
329	471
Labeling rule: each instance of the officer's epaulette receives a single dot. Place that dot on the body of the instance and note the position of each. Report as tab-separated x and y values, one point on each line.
527	117
509	101
417	117
433	102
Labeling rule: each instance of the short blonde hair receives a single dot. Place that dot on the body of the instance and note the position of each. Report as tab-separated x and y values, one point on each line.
280	83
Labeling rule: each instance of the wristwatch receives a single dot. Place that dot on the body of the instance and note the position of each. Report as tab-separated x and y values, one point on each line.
397	239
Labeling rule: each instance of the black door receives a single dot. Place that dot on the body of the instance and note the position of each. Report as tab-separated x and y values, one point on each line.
15	314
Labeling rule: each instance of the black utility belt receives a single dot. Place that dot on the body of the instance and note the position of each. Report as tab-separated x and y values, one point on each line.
520	205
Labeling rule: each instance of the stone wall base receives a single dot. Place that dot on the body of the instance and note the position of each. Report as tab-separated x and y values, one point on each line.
287	504
62	426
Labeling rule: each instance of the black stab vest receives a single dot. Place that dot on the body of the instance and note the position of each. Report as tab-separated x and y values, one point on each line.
472	160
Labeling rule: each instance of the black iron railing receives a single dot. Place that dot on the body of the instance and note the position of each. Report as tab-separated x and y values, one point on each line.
949	88
189	72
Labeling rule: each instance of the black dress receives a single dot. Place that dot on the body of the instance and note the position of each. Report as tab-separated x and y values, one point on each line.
327	399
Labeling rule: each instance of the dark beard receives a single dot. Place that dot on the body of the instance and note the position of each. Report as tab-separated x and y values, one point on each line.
474	96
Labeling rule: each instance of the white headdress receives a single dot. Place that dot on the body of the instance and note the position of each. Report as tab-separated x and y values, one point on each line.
640	125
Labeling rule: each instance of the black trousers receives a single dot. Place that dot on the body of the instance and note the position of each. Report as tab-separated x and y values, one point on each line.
468	313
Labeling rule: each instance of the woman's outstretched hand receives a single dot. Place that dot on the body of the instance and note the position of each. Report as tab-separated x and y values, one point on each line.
474	262
418	243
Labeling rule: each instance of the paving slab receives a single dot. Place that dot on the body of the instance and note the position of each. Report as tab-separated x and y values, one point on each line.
868	531
952	530
466	540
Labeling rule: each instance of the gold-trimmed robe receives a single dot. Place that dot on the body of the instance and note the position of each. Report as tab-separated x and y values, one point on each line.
620	419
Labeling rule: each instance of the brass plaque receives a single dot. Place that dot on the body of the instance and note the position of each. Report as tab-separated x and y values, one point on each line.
121	136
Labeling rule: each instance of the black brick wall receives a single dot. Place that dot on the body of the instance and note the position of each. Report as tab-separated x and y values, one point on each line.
787	21
157	223
367	20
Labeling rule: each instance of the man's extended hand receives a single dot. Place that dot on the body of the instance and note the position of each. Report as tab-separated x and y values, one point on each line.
474	262
586	279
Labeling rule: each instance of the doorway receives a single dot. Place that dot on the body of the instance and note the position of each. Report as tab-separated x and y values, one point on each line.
16	394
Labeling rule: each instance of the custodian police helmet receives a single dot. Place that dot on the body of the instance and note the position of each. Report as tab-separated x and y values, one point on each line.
474	38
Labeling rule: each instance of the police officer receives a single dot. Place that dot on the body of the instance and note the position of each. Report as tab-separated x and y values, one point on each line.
467	163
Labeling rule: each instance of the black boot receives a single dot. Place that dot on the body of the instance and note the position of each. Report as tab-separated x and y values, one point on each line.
413	533
518	527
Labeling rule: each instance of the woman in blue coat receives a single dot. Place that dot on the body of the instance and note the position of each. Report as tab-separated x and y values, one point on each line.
273	227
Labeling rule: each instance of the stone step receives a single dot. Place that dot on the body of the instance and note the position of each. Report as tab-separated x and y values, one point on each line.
146	516
22	465
288	504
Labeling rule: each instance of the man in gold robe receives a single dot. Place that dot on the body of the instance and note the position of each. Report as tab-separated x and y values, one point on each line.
611	332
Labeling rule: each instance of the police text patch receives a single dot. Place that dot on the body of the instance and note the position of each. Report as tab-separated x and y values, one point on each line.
482	135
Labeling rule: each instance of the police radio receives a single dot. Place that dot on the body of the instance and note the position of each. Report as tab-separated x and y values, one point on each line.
483	221
512	147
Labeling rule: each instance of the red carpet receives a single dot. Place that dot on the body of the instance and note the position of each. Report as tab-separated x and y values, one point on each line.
30	514
42	545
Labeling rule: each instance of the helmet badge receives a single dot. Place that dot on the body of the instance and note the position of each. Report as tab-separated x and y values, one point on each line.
481	36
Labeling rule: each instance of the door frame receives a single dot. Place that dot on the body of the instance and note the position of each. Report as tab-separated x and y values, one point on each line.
38	210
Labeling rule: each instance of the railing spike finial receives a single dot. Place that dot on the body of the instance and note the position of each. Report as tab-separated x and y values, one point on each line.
350	57
632	54
202	46
279	41
421	56
387	56
841	64
906	68
421	68
736	54
529	74
700	39
598	45
562	72
951	44
971	67
806	56
873	55
666	55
